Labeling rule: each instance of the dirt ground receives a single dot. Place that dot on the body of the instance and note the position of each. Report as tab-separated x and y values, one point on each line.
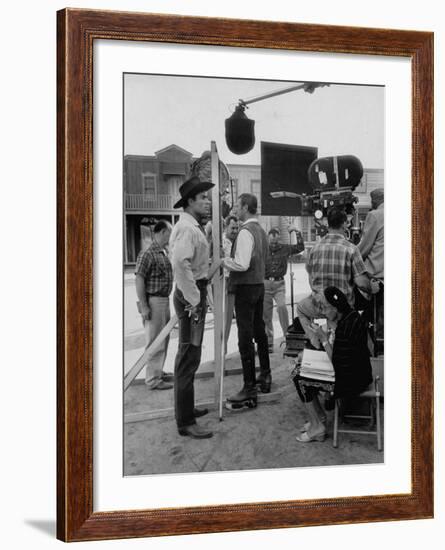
260	438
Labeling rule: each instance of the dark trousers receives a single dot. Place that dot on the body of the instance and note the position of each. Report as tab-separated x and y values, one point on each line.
188	357
249	319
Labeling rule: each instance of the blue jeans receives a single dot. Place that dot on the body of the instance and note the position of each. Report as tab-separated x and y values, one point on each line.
188	357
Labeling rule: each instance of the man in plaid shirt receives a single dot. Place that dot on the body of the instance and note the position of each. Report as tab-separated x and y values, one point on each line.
154	282
333	261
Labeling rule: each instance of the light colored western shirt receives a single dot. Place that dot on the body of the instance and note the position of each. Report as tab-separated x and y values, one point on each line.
189	253
371	245
243	249
227	249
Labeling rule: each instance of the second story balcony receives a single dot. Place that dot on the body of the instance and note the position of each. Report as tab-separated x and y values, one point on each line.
148	202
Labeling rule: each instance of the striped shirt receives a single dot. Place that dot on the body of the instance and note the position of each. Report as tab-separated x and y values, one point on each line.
334	261
154	266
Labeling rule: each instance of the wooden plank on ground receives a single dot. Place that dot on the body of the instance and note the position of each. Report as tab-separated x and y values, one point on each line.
208	374
140	363
169	412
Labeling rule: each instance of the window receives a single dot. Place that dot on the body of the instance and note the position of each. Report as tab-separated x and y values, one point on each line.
174	183
149	185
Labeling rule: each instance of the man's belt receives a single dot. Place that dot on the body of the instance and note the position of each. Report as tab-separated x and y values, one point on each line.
274	278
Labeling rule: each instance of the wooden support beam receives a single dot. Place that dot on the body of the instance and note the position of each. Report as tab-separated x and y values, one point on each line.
218	282
205	374
157	414
140	363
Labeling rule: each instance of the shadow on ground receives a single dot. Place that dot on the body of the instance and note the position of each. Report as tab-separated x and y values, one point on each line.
47	526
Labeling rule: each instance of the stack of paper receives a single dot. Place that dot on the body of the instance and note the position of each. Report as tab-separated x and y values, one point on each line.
317	365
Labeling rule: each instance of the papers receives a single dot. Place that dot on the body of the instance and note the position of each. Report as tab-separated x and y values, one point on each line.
317	365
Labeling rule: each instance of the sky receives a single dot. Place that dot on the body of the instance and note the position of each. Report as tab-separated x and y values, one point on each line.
160	110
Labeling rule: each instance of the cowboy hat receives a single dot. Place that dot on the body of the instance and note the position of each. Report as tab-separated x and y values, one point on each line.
191	187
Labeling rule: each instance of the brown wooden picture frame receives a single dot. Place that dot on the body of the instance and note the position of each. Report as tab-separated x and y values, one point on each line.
77	31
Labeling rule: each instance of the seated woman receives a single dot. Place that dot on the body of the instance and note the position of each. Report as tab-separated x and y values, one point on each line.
350	357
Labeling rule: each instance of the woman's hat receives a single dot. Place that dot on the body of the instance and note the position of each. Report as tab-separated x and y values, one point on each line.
191	187
336	298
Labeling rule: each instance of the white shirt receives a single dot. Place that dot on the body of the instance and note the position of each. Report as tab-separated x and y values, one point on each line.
189	252
243	249
227	249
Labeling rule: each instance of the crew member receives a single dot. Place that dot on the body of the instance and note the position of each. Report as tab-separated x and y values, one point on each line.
371	247
333	261
190	259
229	236
349	354
154	281
371	244
247	270
274	284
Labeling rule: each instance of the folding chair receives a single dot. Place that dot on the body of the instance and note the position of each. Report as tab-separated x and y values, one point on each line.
373	394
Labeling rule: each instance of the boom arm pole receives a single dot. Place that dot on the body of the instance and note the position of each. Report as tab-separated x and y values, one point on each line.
308	87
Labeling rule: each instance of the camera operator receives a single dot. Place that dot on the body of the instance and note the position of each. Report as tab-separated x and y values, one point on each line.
371	247
333	261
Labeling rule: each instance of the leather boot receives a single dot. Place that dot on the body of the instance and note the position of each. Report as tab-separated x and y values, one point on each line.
246	393
265	381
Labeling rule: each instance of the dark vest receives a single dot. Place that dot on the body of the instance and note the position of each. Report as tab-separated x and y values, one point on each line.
255	273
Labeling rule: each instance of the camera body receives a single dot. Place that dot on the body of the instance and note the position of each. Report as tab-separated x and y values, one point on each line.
333	180
321	202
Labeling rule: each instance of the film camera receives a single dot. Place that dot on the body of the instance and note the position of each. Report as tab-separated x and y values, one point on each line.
333	180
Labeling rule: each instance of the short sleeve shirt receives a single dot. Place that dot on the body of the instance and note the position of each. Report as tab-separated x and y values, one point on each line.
155	267
334	261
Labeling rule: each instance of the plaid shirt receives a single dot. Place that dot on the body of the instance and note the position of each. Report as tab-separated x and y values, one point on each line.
155	267
334	261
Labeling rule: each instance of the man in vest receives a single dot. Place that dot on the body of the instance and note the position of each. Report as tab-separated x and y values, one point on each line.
229	236
247	269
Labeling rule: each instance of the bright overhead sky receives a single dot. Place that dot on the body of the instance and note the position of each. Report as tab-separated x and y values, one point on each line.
190	112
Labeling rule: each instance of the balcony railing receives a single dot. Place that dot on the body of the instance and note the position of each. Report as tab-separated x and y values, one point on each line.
146	202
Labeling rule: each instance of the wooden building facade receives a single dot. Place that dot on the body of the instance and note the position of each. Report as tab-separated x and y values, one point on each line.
151	188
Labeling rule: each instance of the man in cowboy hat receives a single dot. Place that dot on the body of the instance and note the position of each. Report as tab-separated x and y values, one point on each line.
189	251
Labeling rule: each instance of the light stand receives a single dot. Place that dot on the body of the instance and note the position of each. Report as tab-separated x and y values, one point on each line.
240	135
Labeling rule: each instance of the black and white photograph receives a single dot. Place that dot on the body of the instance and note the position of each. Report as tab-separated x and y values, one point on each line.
253	274
149	416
